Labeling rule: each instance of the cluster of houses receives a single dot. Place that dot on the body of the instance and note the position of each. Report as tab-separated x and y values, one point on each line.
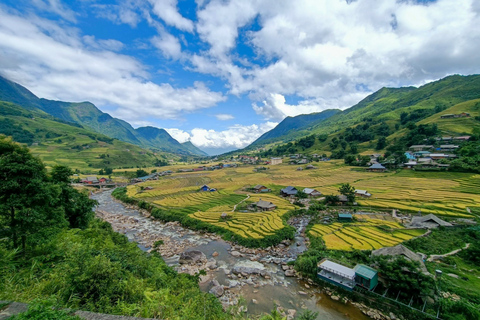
94	180
152	176
426	156
209	168
292	192
248	159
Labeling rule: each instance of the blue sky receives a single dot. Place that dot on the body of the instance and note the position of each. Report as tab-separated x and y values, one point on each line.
220	73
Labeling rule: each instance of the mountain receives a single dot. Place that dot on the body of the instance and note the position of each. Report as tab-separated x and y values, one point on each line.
194	149
57	141
387	113
290	125
88	115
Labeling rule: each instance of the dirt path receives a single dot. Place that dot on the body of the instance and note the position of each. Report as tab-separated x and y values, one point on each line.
235	206
434	257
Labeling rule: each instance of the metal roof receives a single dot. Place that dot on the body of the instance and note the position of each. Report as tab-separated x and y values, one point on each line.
376	166
365	271
345	215
337	268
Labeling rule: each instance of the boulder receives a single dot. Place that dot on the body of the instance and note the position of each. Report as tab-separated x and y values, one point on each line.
218	291
215	254
289	273
236	254
192	257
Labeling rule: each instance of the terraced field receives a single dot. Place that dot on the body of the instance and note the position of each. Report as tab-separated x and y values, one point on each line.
442	193
367	233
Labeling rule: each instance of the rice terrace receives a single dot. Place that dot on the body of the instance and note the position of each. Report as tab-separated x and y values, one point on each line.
444	194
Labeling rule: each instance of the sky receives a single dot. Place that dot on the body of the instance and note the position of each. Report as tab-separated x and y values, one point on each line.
220	73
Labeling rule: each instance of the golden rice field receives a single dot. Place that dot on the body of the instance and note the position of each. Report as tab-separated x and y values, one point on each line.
364	234
441	193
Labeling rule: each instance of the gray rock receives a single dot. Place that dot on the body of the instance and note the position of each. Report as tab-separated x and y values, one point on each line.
192	257
289	273
236	254
218	291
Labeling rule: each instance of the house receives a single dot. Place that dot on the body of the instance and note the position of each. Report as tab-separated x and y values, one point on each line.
288	191
102	180
274	161
148	188
410	164
261	188
436	156
265	205
448	147
446	116
303	161
420	147
345	217
420	154
410	156
365	277
312	192
310	167
462	138
336	274
205	188
299	169
199	169
430	221
401	250
362	193
376	167
342	199
90	180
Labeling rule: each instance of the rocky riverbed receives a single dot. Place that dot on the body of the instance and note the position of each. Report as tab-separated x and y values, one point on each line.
253	280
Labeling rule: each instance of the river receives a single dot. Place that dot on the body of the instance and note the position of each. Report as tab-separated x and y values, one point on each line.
260	295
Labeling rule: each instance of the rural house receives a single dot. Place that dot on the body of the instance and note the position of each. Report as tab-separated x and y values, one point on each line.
312	192
274	161
347	278
264	205
401	250
430	221
261	188
288	191
207	188
310	167
362	193
90	180
421	147
345	217
376	167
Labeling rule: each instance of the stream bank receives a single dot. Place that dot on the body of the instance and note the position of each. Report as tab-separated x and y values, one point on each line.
257	278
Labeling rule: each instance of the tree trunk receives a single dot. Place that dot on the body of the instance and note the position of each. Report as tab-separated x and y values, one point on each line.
13	227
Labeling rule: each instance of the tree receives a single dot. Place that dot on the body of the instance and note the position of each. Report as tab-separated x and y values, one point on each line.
331	199
141	173
26	195
347	190
381	143
301	195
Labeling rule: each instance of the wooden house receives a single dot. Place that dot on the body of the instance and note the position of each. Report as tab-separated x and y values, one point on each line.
261	188
288	191
265	205
312	192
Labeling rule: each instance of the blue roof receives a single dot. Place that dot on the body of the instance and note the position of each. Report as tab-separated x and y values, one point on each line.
376	166
364	271
290	190
345	215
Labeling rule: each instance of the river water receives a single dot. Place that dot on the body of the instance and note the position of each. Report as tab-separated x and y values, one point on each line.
259	296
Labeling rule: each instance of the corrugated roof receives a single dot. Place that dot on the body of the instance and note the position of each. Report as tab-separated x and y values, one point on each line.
342	270
376	166
365	271
345	215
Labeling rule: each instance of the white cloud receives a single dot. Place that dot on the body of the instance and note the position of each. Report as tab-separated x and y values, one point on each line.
224	117
330	53
168	45
108	44
57	7
168	12
125	13
56	65
237	136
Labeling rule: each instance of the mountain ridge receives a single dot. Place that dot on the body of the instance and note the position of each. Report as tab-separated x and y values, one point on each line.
88	115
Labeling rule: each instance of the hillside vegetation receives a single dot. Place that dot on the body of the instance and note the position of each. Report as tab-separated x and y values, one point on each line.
386	114
59	142
89	116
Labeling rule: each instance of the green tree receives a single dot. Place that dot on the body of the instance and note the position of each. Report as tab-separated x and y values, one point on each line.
25	195
381	143
141	173
347	190
76	205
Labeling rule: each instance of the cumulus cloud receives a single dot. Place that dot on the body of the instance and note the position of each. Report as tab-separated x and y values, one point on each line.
57	65
168	12
224	116
322	51
237	136
168	44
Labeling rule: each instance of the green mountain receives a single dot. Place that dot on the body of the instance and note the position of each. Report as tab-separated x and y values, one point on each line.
290	125
387	113
89	116
57	141
194	149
